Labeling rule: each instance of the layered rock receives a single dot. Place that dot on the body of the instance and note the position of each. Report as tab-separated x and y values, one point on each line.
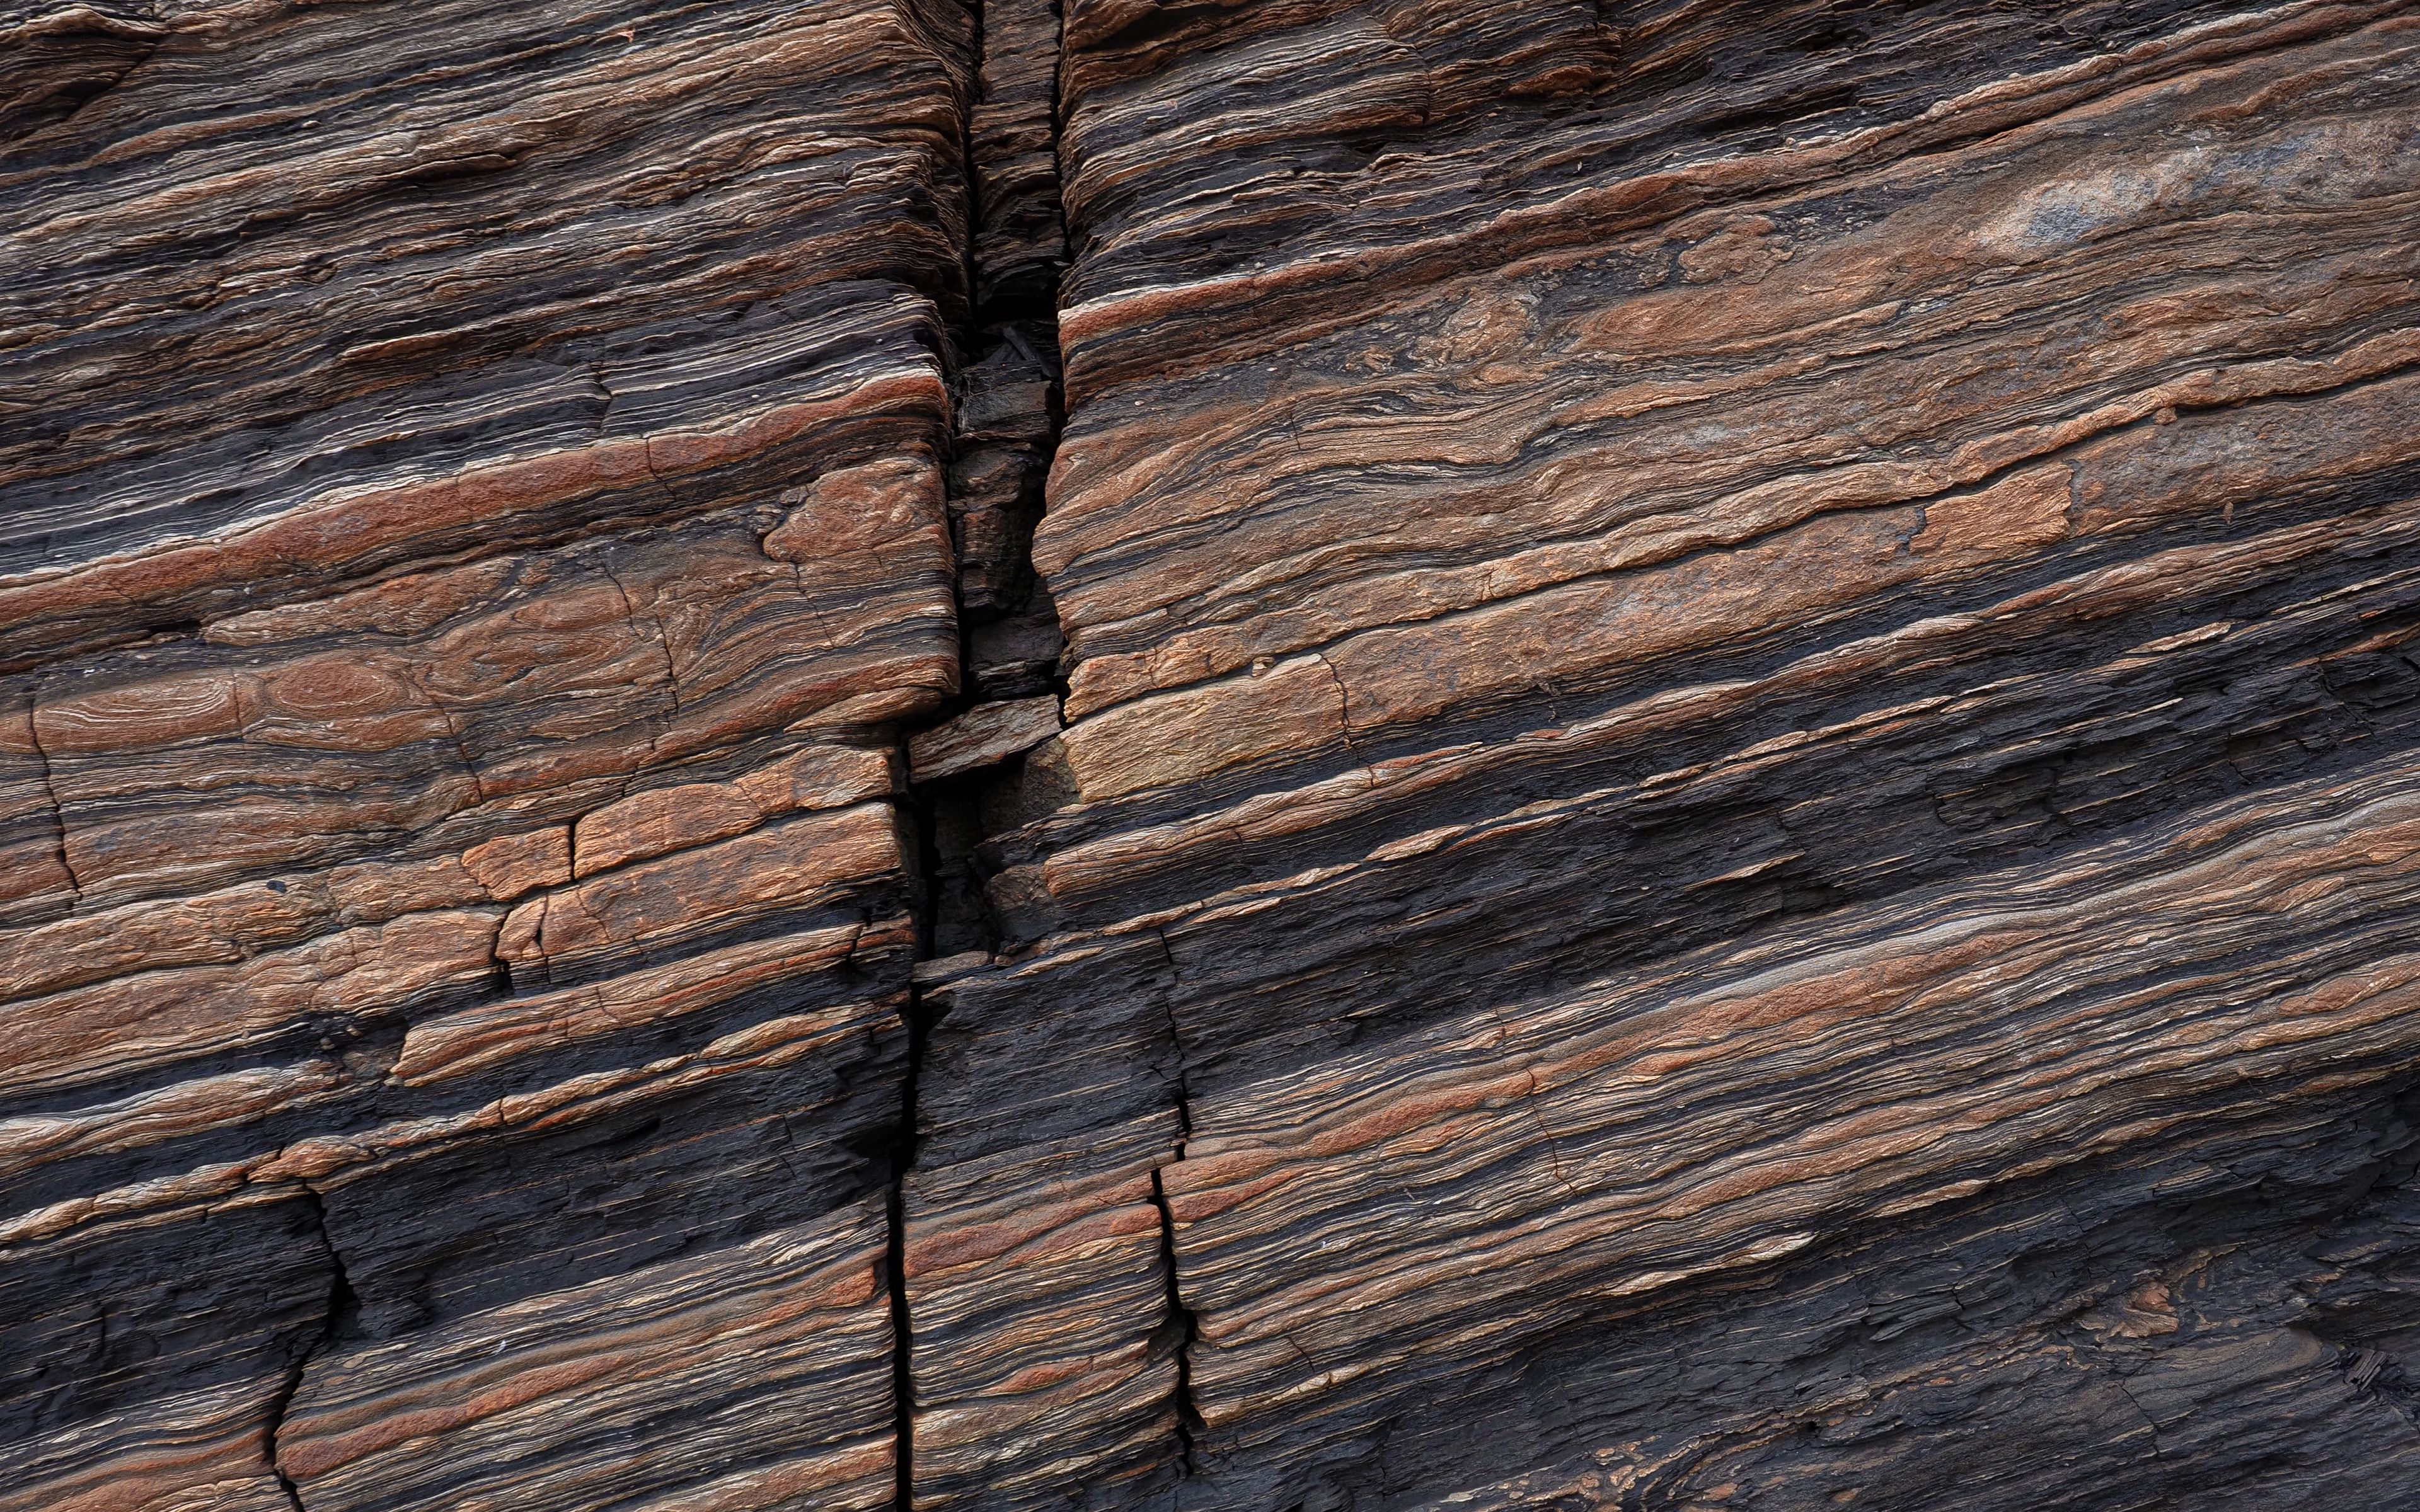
476	526
1739	682
1699	792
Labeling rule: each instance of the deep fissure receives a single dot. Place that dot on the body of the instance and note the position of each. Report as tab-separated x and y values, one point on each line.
895	1260
1916	1034
51	791
1181	1320
1004	425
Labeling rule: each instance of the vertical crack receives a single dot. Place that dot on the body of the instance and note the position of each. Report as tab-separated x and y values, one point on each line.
1181	1321
413	675
51	791
663	637
916	819
920	854
500	971
1344	707
903	1396
1003	374
339	1302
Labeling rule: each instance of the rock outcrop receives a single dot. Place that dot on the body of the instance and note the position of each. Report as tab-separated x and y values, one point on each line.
476	521
1255	756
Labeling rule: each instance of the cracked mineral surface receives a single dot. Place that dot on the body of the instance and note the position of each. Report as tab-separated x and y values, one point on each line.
1260	756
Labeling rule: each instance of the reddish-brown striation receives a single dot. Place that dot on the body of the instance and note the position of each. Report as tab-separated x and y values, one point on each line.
1699	792
476	525
1715	654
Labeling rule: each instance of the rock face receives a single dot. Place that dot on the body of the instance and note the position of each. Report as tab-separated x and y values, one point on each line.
477	520
1265	756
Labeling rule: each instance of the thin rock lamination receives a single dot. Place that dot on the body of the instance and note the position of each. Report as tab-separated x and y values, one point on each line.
1740	681
475	529
1735	825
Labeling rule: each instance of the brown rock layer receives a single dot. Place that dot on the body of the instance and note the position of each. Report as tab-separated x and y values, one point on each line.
1700	791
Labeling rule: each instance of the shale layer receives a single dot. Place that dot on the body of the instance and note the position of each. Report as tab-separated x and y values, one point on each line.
1274	756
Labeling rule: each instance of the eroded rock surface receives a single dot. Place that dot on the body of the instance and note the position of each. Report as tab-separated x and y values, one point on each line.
1716	658
476	521
1266	756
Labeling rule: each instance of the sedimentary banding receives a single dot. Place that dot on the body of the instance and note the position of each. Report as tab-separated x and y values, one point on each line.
1302	755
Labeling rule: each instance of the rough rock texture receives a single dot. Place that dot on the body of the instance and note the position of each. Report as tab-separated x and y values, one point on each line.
1739	686
475	521
1738	819
984	735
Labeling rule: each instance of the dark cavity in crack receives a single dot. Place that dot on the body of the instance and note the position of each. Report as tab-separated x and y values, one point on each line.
915	816
51	791
1181	1323
902	1395
1002	351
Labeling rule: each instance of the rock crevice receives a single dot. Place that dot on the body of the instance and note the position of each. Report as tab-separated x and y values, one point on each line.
1351	755
339	1302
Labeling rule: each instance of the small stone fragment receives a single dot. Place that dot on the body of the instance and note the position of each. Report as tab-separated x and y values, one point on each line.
984	735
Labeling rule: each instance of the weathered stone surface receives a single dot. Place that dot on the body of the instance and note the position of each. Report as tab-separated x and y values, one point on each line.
757	1375
1006	422
475	528
1737	822
1737	680
1012	145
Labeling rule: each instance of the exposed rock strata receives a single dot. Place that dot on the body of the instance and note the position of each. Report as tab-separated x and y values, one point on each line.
1735	684
477	523
1736	823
